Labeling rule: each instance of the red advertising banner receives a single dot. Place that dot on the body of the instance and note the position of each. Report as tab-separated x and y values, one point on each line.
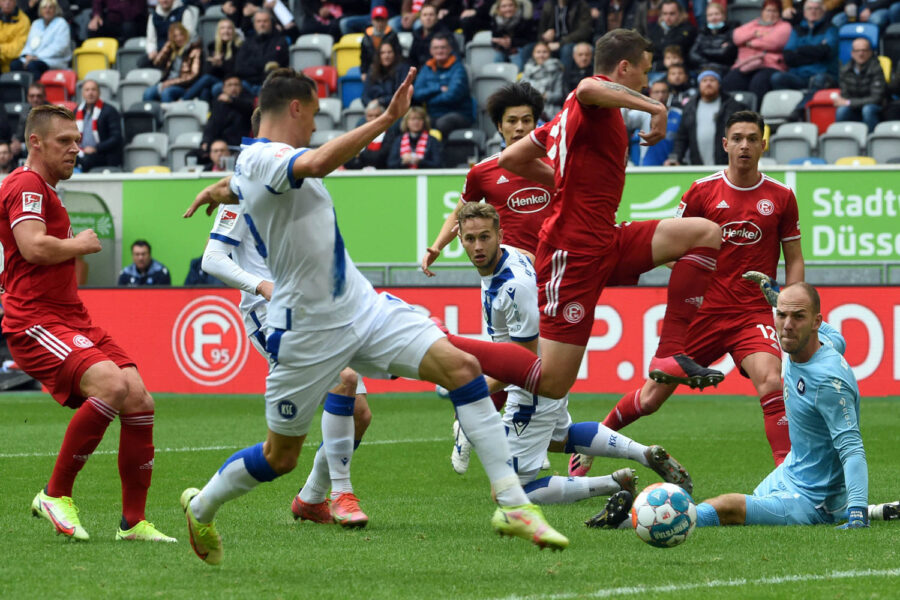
193	341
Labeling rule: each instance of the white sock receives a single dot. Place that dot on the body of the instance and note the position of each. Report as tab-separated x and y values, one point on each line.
565	490
242	472
316	487
482	425
337	436
611	444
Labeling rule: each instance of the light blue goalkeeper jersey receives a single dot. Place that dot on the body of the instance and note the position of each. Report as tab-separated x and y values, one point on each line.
827	462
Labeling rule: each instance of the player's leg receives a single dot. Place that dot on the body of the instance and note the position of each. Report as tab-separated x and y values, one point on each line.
694	244
136	461
728	509
764	370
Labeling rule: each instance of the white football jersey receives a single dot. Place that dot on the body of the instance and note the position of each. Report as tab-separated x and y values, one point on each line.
509	299
231	228
294	227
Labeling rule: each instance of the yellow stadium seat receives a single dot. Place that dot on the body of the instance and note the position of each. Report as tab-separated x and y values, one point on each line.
109	47
153	169
94	54
345	53
436	133
886	67
856	161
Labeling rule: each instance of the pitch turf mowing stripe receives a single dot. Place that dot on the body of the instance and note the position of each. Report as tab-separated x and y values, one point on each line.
309	443
716	583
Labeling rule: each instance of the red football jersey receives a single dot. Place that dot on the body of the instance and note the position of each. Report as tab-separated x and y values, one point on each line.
755	221
588	146
523	205
36	293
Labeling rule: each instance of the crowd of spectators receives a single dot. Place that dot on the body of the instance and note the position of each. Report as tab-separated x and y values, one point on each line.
702	58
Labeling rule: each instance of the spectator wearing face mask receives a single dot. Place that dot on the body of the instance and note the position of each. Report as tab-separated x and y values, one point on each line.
714	48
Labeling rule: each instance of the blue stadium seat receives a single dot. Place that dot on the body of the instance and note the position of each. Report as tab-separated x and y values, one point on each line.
849	32
350	87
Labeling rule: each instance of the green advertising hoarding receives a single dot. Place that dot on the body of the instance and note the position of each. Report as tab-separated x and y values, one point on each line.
845	215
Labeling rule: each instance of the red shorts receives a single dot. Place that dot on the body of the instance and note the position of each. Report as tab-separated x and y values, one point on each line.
711	335
570	284
58	356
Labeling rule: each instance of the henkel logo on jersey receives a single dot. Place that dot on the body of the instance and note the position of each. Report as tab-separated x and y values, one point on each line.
741	233
528	200
209	341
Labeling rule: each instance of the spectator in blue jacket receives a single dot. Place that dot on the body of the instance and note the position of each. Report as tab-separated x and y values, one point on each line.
48	44
811	53
386	74
144	270
442	86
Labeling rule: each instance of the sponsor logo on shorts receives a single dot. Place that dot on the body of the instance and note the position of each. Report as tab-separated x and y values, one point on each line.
741	233
31	202
82	342
208	341
765	207
528	200
573	312
287	409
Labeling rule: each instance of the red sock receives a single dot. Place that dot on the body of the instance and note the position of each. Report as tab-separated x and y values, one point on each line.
84	432
135	463
776	425
688	282
505	362
626	412
499	399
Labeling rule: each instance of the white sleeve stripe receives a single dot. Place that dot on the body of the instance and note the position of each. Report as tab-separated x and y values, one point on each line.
790	239
25	218
535	140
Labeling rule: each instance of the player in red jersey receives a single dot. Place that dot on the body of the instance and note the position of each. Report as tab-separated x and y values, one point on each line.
51	336
522	204
759	221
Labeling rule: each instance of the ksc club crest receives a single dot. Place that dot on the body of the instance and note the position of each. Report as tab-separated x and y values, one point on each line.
208	341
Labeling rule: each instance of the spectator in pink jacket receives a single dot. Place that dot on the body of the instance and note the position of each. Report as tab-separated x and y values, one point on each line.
760	44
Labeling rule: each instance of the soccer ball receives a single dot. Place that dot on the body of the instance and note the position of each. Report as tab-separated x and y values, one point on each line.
663	515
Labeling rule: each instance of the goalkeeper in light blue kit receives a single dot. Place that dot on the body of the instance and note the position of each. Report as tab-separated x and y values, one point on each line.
824	478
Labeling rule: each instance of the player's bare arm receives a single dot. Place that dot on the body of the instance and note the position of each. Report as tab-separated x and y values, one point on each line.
609	94
212	196
331	155
446	235
41	249
793	262
524	158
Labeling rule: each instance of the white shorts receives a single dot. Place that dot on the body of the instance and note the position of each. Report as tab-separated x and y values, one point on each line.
387	336
531	423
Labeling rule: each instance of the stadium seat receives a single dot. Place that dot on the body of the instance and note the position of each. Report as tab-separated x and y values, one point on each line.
406	40
491	77
849	32
131	89
886	66
493	145
777	105
748	99
463	148
807	161
94	54
855	161
311	50
350	86
152	169
890	42
847	138
884	143
744	11
767	162
107	79
329	115
146	149
351	115
183	144
345	53
14	86
60	84
479	53
820	108
793	140
141	117
209	23
320	136
325	78
184	116
436	134
483	36
128	55
106	170
14	112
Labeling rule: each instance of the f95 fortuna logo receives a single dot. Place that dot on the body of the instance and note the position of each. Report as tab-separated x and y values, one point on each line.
208	341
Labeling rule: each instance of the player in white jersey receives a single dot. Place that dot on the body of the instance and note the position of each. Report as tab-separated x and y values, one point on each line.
536	424
324	315
233	257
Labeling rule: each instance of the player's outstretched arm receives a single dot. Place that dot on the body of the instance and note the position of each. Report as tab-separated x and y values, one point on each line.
331	155
446	235
609	94
217	262
524	159
41	249
212	196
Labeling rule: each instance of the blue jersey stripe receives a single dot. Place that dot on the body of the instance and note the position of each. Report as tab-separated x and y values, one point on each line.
224	239
260	245
295	183
339	265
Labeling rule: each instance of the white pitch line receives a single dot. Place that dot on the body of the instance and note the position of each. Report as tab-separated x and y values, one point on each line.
217	448
716	583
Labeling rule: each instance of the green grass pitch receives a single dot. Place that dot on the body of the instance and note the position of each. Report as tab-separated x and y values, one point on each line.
429	534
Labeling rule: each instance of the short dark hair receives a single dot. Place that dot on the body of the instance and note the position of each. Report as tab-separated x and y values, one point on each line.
254	121
477	210
141	244
618	45
520	93
677	65
39	118
282	86
746	116
440	35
